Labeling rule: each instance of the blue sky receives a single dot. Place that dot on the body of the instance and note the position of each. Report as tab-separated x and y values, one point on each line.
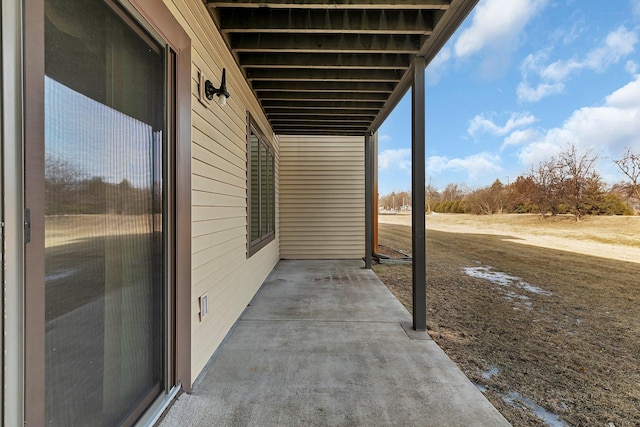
518	81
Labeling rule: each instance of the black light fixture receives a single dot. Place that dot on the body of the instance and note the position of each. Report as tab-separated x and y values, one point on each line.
223	94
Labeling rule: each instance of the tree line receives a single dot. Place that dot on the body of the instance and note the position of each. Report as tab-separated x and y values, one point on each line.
567	183
69	191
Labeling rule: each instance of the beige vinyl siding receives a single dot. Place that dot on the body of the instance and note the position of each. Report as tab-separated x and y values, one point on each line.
220	266
321	197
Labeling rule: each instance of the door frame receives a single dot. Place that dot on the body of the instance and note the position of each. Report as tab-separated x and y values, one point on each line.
12	213
156	18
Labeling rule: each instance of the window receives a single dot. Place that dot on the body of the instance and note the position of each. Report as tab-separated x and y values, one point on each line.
260	189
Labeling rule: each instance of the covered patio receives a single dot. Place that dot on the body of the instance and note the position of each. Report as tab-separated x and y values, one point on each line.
339	68
326	343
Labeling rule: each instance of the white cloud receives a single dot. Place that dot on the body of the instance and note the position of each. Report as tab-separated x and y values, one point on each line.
437	67
560	70
520	137
538	152
617	45
474	166
605	129
482	124
496	23
384	138
631	67
530	94
635	8
568	36
395	159
495	33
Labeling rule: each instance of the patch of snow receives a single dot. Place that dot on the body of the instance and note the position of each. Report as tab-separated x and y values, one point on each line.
495	277
533	289
503	279
549	418
518	299
480	387
490	373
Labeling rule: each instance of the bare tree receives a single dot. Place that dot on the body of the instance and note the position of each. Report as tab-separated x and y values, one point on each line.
582	181
451	193
629	164
523	193
431	195
548	183
490	200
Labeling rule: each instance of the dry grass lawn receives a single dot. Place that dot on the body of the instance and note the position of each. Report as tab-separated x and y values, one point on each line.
542	315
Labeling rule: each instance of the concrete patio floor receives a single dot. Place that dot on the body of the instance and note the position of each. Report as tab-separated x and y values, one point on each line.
324	343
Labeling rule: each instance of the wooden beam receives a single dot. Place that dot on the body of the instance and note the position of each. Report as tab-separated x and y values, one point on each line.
351	120
322	96
302	125
374	61
312	21
316	132
325	43
286	74
335	4
292	112
322	86
321	105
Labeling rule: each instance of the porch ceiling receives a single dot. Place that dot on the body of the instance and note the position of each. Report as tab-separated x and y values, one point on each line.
335	67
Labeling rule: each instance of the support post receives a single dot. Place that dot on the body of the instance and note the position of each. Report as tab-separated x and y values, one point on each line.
418	244
374	202
368	197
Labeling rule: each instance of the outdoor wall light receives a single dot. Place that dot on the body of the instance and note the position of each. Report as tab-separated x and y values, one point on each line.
210	90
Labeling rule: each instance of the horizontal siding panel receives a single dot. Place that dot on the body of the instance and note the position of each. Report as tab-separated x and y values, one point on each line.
209	184
312	207
220	224
326	250
318	215
321	197
321	200
206	241
321	194
210	254
203	169
214	157
213	276
317	183
207	212
335	241
209	137
205	198
346	170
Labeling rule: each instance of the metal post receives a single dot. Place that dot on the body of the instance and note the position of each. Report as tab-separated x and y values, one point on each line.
417	194
374	202
368	197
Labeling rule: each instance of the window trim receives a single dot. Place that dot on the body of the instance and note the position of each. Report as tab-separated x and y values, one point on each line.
253	246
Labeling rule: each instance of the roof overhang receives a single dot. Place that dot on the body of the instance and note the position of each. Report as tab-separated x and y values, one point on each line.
334	67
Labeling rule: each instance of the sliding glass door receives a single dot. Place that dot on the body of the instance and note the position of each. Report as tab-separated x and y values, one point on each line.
105	274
